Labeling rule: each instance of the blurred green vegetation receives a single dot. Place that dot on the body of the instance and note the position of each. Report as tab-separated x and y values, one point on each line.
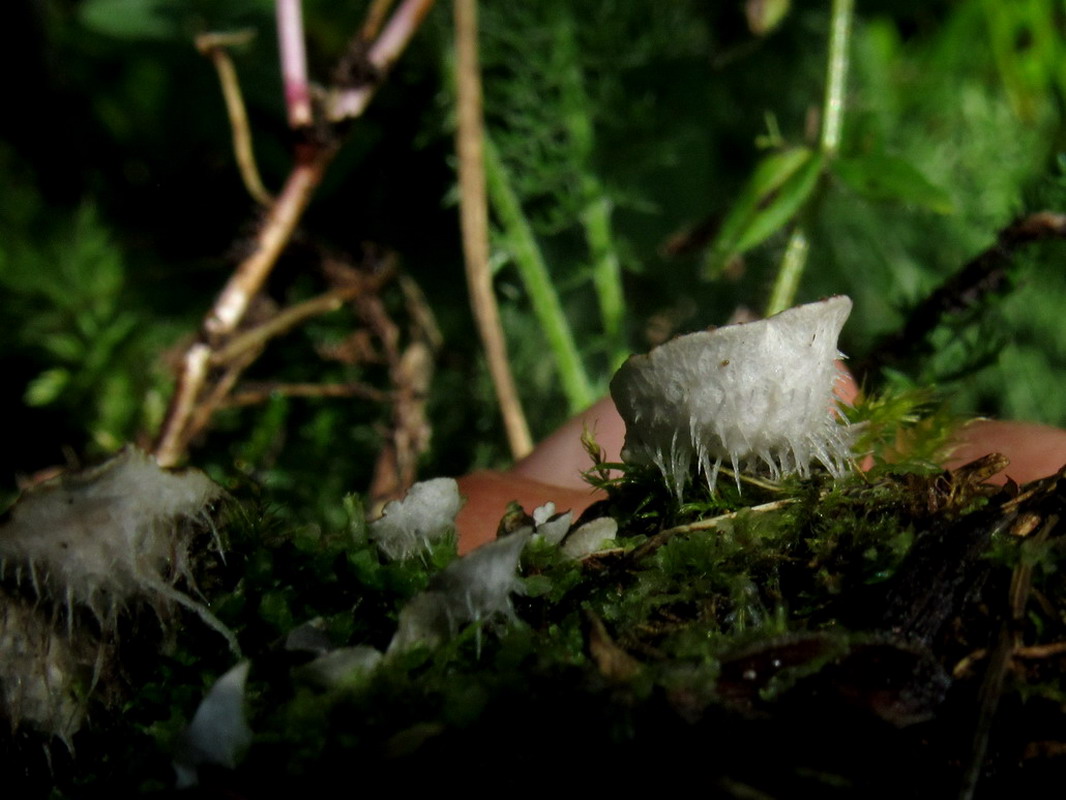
629	137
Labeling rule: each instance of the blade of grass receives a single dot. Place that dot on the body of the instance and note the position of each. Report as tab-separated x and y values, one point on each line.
783	294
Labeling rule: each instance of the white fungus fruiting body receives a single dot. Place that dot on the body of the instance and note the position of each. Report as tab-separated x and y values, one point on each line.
474	588
759	392
94	542
110	536
548	525
590	537
425	514
218	732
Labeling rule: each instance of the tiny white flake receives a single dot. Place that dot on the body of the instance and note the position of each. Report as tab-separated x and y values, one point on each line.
219	731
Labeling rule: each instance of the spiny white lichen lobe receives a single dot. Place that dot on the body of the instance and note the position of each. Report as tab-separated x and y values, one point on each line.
103	537
747	394
90	544
40	670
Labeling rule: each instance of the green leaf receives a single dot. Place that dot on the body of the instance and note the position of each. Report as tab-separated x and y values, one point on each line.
779	187
880	178
65	347
537	585
765	15
131	19
47	387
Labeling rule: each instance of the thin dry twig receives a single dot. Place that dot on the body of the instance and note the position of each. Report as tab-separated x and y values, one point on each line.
473	206
662	537
375	16
282	322
273	236
251	394
213	45
194	401
1030	652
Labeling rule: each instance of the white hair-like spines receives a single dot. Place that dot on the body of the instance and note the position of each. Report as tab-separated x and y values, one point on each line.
747	395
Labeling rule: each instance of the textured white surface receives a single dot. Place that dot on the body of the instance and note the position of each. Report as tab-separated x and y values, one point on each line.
590	537
219	730
105	536
425	514
474	588
550	526
749	394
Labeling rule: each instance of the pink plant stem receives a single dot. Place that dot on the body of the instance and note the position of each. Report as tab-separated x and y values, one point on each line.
394	38
294	62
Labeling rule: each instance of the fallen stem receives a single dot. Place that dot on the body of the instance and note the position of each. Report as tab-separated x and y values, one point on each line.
375	16
189	410
171	443
256	393
217	391
662	537
272	237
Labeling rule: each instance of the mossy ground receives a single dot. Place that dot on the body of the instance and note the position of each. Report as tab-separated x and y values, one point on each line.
892	632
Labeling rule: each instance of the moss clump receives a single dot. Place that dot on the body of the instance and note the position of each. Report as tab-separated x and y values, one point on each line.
805	636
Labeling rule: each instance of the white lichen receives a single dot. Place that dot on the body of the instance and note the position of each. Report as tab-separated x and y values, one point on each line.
41	672
218	733
745	395
341	666
425	514
590	538
473	589
550	526
109	537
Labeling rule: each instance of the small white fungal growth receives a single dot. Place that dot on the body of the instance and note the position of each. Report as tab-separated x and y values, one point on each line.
341	666
40	672
590	537
109	536
550	526
474	588
760	392
424	515
219	730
